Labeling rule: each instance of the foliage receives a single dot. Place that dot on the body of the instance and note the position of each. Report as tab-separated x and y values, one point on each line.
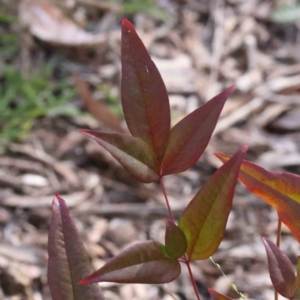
23	99
152	151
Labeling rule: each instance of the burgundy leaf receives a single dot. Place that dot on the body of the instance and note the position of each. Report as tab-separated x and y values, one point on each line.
144	96
143	262
68	261
281	270
217	296
132	153
175	240
296	295
189	138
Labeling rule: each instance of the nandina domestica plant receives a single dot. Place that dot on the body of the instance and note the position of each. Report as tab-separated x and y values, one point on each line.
152	151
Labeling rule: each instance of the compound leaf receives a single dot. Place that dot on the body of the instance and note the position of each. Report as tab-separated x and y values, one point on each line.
280	190
281	269
189	138
204	220
132	153
175	240
143	262
144	96
68	261
217	296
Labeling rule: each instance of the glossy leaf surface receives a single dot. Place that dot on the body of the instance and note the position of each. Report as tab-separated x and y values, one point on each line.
189	138
204	220
280	190
144	96
281	269
175	240
68	261
143	262
217	296
132	153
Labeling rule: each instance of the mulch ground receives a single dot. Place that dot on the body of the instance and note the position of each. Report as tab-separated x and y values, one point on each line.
200	47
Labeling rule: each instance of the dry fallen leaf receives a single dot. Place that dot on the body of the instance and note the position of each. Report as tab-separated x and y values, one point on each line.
47	23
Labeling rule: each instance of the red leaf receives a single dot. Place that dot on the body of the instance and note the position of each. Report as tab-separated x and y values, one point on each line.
280	190
175	240
141	263
217	296
144	96
189	138
68	261
132	153
204	220
281	270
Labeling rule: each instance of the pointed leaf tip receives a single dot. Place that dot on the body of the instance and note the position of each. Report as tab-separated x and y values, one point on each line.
143	262
144	96
68	261
175	240
189	137
131	152
127	24
280	190
217	296
281	269
203	230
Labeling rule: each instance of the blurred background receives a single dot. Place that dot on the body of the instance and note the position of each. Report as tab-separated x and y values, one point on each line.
60	71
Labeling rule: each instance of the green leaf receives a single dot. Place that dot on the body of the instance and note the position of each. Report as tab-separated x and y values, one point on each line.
68	261
204	220
175	240
143	262
296	295
132	153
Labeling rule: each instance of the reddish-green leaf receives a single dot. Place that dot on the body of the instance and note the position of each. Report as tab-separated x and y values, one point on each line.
281	269
296	295
68	261
144	96
175	240
280	190
141	263
189	138
204	220
132	153
217	296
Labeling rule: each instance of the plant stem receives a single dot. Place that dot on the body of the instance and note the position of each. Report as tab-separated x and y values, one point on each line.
278	245
167	200
185	260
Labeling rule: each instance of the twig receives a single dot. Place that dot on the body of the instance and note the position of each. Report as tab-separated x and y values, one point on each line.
167	200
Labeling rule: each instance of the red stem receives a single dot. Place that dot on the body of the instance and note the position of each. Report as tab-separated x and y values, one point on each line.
186	259
187	262
167	200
